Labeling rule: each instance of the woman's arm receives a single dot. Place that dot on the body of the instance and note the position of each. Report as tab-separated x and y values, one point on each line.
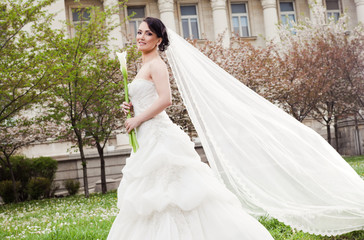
159	74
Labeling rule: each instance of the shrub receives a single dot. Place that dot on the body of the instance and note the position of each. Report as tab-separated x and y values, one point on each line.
22	173
39	187
6	190
31	174
44	167
72	186
21	169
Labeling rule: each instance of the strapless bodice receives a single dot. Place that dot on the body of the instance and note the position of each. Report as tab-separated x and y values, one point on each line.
142	94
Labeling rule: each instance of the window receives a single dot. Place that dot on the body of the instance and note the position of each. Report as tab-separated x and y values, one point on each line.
333	9
80	18
138	14
189	21
239	15
287	13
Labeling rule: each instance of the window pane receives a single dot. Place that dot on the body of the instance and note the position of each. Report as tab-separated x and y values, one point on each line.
133	28
286	6
139	12
194	27
238	8
291	18
333	15
244	26
75	14
186	31
332	4
236	25
188	10
79	14
284	19
86	15
336	16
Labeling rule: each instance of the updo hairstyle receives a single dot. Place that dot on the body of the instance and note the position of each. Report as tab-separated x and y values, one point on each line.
157	27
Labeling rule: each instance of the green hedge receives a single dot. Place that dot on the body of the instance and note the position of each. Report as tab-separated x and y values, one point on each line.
39	187
6	190
35	177
44	167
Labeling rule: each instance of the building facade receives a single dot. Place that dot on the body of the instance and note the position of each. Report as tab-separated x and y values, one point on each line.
253	20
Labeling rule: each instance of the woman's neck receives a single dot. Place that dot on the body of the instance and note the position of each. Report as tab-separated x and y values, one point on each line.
149	56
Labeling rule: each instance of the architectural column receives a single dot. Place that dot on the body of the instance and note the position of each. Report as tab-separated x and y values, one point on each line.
116	37
270	19
167	13
315	11
220	20
360	10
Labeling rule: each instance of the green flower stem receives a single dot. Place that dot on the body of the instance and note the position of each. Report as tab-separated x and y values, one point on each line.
132	136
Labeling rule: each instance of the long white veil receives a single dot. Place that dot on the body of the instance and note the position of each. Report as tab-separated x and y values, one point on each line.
272	162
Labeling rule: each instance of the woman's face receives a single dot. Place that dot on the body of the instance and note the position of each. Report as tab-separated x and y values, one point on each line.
146	39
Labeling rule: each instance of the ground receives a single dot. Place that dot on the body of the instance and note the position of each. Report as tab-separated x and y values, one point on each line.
91	218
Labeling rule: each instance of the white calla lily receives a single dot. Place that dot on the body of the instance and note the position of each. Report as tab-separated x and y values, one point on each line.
122	59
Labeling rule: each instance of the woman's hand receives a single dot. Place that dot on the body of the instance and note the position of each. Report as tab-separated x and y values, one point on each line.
132	123
126	107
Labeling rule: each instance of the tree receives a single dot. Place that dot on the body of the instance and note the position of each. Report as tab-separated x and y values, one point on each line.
103	116
25	73
86	74
25	67
318	60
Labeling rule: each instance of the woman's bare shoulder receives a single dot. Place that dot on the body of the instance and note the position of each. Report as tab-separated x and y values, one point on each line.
159	71
157	64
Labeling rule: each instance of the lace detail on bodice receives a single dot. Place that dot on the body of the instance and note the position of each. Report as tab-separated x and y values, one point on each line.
142	94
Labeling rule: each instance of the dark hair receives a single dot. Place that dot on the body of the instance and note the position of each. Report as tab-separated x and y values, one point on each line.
156	26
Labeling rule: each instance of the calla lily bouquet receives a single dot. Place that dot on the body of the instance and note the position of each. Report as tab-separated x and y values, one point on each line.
132	136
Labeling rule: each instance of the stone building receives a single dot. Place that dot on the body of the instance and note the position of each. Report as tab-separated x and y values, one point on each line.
253	20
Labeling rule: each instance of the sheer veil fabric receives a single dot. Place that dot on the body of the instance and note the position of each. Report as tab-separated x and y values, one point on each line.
275	165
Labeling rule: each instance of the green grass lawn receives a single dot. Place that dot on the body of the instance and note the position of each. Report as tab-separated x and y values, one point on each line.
80	218
64	218
357	163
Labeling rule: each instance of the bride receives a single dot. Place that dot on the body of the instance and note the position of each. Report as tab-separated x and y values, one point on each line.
166	192
263	161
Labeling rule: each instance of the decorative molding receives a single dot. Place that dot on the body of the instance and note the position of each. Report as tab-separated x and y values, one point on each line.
359	2
269	4
218	4
165	6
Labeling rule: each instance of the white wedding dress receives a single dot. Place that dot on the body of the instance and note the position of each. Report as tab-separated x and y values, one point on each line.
167	193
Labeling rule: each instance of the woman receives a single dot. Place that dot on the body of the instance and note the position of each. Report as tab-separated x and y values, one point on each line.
167	193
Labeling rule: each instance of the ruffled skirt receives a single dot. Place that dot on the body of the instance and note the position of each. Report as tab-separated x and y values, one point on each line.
167	193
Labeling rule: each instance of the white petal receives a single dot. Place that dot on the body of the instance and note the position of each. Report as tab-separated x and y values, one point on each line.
122	59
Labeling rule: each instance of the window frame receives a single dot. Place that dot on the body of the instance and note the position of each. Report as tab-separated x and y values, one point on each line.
70	15
287	13
247	15
190	17
137	20
332	12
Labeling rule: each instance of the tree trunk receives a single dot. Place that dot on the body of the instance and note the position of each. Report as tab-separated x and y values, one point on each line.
83	160
357	135
102	163
328	132
336	134
15	192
